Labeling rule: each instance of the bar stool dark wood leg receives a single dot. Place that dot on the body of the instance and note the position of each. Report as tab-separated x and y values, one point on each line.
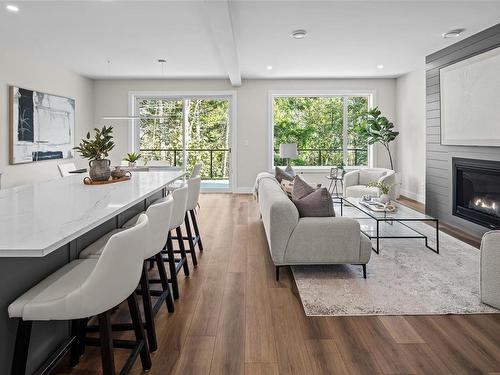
106	338
182	250
74	357
139	331
171	264
21	347
190	240
164	282
149	318
196	229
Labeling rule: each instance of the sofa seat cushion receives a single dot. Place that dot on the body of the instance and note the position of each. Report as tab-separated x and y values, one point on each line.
357	191
370	175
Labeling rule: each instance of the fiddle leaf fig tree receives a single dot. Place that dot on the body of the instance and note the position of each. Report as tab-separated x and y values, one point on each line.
99	147
376	128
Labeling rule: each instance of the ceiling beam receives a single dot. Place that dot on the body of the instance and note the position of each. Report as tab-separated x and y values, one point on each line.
219	19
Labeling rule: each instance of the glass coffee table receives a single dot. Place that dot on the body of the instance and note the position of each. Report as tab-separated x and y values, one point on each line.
390	224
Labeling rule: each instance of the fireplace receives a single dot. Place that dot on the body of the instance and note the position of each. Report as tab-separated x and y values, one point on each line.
476	191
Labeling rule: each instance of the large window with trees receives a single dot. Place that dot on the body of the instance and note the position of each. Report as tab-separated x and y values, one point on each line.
324	127
185	130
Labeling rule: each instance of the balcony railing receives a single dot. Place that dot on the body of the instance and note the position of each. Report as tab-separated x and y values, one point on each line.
325	156
215	167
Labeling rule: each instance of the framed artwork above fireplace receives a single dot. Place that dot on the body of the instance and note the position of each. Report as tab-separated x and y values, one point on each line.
469	101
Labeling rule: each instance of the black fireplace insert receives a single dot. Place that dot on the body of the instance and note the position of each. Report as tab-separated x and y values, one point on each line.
476	191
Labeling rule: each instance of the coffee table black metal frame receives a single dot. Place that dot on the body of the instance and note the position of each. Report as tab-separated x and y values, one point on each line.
390	220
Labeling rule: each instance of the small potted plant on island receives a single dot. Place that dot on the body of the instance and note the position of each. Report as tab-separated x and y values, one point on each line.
96	151
132	158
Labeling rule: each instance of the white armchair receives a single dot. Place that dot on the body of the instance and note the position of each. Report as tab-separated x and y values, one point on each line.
355	182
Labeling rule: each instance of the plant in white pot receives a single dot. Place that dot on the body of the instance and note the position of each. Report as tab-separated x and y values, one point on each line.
132	158
384	190
96	151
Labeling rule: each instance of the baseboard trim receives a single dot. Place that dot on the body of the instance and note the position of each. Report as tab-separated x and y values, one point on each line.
243	190
416	197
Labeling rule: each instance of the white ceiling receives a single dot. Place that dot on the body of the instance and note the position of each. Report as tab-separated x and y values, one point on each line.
213	39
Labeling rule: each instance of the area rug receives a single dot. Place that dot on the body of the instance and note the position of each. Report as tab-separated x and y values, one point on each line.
406	278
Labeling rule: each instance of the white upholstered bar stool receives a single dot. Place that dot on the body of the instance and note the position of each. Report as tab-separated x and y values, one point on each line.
180	197
160	215
85	288
195	172
194	185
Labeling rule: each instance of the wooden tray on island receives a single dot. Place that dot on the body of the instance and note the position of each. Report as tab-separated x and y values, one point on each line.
88	180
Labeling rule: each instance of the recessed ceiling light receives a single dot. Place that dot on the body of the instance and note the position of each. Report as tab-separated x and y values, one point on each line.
269	67
380	66
299	34
453	33
12	8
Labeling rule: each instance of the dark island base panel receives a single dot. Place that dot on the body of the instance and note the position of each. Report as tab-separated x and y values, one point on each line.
17	275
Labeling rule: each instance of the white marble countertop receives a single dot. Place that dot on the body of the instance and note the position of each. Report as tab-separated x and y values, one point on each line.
39	218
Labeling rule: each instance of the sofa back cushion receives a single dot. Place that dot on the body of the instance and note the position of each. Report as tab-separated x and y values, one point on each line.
370	175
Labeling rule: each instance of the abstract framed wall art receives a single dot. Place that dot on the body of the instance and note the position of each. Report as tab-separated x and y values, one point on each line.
42	126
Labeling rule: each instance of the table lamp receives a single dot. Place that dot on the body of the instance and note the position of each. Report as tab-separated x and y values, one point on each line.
288	151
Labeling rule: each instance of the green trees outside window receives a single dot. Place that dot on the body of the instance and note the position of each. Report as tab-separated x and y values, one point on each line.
207	132
317	125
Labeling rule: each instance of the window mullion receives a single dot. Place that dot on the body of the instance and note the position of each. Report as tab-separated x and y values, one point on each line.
345	127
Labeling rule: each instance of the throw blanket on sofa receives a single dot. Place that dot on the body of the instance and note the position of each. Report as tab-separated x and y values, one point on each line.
260	177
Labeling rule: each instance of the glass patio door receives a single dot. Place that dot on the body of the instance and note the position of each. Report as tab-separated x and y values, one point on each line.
185	130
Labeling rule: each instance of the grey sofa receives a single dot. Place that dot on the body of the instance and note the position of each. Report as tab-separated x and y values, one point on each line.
308	240
490	268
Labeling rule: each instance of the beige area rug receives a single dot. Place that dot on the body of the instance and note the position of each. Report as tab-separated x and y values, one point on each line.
406	278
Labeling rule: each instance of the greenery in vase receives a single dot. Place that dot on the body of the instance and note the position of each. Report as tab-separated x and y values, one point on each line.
382	186
132	157
377	128
99	147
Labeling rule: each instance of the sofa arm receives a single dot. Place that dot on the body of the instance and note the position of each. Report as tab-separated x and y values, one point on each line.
350	179
326	240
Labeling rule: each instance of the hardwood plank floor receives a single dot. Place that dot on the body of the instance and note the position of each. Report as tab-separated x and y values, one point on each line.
234	318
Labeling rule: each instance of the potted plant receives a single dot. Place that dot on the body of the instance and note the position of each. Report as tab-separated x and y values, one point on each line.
384	190
132	158
376	128
96	150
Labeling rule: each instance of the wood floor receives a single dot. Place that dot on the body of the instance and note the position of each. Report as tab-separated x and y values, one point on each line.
234	318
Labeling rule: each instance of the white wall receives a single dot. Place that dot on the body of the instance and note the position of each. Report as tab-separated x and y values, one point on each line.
111	98
15	70
410	145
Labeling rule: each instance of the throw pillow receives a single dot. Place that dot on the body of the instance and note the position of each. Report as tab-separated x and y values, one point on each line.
317	204
287	187
301	188
280	174
290	171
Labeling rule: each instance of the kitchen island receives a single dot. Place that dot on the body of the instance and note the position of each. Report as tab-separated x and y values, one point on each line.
44	226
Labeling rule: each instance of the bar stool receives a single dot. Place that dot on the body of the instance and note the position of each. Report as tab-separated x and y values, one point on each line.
194	185
180	196
85	288
159	214
196	171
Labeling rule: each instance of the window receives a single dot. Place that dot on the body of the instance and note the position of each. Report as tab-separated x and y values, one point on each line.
323	126
186	130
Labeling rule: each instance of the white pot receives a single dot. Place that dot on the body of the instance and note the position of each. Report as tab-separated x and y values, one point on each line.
132	164
385	198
